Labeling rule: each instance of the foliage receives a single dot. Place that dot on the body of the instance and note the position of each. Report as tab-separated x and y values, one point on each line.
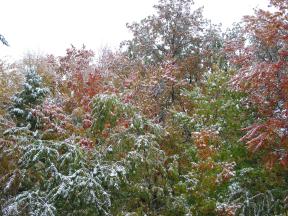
134	141
10	83
262	60
32	94
58	178
255	191
158	128
175	46
173	31
210	128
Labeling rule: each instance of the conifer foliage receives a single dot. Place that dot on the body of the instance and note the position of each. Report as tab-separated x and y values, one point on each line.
33	94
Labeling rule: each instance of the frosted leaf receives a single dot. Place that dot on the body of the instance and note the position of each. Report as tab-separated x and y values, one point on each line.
17	99
113	173
34	203
27	86
17	111
143	141
235	188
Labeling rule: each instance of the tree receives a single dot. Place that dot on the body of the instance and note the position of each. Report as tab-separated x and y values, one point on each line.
33	94
206	135
79	78
174	31
134	141
176	46
261	56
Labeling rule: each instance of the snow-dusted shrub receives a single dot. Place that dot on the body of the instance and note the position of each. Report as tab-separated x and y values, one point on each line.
59	178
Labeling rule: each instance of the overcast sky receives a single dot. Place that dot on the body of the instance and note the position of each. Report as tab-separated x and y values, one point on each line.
50	26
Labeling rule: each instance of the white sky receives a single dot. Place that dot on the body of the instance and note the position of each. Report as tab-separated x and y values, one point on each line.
50	26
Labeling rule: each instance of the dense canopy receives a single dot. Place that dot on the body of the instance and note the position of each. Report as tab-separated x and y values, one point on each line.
183	119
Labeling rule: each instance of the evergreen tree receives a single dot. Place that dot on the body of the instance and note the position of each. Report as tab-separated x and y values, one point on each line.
33	94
